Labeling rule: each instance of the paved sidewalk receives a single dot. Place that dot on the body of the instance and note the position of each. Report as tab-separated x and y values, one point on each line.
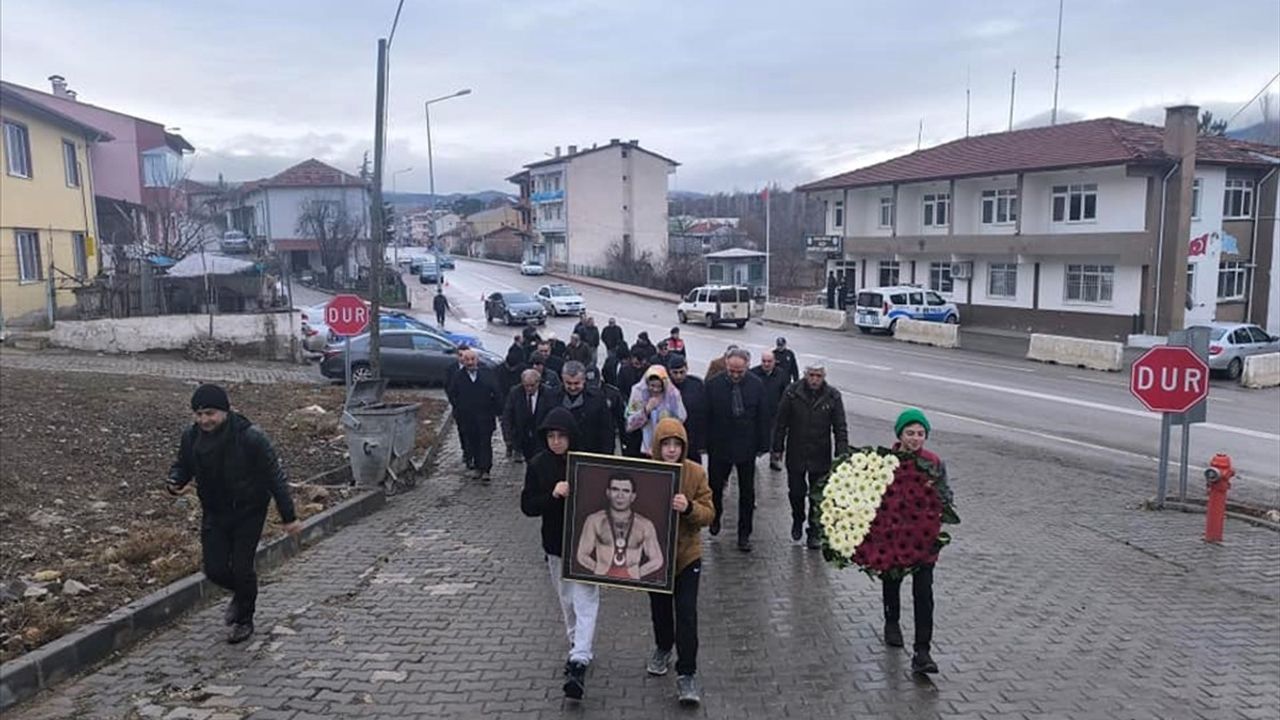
249	371
1058	599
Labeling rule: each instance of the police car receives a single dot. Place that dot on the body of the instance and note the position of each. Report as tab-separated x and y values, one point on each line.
880	308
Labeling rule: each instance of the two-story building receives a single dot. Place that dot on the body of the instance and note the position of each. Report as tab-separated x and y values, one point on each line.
302	213
578	205
1101	228
47	221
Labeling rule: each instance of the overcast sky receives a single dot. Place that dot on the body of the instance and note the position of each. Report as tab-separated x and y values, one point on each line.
741	93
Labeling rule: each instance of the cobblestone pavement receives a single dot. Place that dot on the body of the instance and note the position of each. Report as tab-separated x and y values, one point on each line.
249	371
1058	599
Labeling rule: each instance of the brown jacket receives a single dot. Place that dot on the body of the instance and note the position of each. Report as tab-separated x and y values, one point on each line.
694	486
715	368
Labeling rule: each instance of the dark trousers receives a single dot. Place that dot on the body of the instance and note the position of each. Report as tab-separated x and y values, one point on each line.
440	318
675	619
530	446
477	441
719	475
806	483
228	542
921	605
631	443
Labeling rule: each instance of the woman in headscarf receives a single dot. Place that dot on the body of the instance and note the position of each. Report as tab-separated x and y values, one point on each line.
651	401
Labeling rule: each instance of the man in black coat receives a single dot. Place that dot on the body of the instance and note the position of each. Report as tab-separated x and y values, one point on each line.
786	360
476	404
468	458
811	414
440	304
237	475
694	395
590	334
554	363
628	375
775	383
578	350
736	434
589	407
612	335
614	357
526	405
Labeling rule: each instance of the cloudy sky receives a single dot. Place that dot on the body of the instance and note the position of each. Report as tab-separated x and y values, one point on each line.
741	92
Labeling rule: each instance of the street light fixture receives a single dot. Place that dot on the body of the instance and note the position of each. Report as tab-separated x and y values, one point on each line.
431	171
393	177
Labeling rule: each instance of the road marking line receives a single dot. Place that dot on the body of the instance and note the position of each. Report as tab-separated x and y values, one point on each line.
854	363
1089	404
999	366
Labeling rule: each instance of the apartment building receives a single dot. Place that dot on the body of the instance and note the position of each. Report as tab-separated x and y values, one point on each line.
1101	228
578	205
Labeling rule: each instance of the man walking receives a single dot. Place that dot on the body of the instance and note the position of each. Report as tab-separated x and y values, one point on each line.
468	458
589	408
628	375
577	351
811	414
476	405
237	475
440	304
590	335
736	434
612	336
694	395
527	404
774	385
786	360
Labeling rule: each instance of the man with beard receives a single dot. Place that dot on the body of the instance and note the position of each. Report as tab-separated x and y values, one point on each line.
589	408
237	475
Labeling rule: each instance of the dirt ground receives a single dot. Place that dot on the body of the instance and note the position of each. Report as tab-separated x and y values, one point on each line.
85	522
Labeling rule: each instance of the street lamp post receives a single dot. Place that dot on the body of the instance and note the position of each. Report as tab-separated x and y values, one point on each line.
431	171
395	247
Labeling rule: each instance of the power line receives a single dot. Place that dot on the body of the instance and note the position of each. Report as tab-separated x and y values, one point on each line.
1255	97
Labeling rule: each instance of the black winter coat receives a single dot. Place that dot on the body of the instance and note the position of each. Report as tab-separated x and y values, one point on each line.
736	439
475	401
807	422
588	334
775	384
693	392
540	477
787	363
251	473
612	337
595	423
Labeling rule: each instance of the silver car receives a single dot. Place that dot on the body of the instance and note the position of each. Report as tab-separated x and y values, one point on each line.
1231	343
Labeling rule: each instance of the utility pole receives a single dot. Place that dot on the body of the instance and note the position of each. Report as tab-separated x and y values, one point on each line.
1057	67
1013	90
377	234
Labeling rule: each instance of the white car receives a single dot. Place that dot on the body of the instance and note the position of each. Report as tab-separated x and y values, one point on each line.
531	267
880	308
716	304
560	299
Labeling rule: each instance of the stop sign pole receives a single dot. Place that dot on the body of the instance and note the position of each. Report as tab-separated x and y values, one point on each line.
347	315
1172	380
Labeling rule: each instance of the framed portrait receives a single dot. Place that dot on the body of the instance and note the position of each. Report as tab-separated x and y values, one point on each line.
619	528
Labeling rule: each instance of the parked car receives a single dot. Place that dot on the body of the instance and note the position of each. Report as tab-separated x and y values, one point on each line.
880	308
1231	343
234	242
532	267
560	299
399	320
411	356
716	304
445	261
429	272
513	307
314	330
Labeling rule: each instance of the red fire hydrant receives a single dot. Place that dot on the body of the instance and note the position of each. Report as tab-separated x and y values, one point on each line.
1217	480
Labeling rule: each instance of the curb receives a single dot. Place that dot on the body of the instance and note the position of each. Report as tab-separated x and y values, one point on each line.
584	280
1196	508
44	667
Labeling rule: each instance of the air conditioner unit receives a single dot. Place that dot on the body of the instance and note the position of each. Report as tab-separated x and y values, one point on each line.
961	270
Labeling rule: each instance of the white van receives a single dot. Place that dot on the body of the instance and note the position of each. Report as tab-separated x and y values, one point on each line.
716	304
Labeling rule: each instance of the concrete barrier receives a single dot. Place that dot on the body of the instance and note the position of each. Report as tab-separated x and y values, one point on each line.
927	333
270	333
819	317
1261	371
782	313
1079	352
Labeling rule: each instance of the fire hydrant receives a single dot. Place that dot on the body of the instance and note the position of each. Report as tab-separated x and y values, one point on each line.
1217	480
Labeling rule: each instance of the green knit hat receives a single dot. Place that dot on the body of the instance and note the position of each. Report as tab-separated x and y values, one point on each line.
908	417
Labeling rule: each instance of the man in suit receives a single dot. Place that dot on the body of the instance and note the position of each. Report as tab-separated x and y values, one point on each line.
476	405
736	435
467	458
775	383
526	406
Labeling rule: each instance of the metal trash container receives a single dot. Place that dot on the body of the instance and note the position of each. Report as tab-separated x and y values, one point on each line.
380	436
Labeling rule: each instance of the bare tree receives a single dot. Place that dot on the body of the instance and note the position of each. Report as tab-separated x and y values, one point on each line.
334	229
173	222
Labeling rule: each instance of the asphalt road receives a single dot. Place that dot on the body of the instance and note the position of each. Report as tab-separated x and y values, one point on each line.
1041	409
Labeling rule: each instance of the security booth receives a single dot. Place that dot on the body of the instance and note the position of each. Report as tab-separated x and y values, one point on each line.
737	266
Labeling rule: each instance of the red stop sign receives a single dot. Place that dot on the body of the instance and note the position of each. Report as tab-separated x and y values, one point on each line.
1169	379
346	315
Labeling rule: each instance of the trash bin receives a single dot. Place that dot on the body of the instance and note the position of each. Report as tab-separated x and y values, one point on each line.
380	436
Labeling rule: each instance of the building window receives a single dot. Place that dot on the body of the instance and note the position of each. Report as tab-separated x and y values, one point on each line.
30	268
999	207
1197	186
886	212
1002	280
1090	283
155	170
940	277
1075	203
715	273
17	150
889	273
80	247
1231	280
755	273
70	165
837	219
1191	281
937	210
1237	203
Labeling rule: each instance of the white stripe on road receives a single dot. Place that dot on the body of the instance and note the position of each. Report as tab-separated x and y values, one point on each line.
1089	404
854	363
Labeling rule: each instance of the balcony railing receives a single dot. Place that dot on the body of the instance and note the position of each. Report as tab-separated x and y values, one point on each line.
547	196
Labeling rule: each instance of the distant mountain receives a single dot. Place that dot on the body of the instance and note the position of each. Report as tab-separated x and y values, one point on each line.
1263	132
425	199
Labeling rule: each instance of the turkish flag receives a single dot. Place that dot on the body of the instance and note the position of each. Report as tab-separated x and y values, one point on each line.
1199	245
